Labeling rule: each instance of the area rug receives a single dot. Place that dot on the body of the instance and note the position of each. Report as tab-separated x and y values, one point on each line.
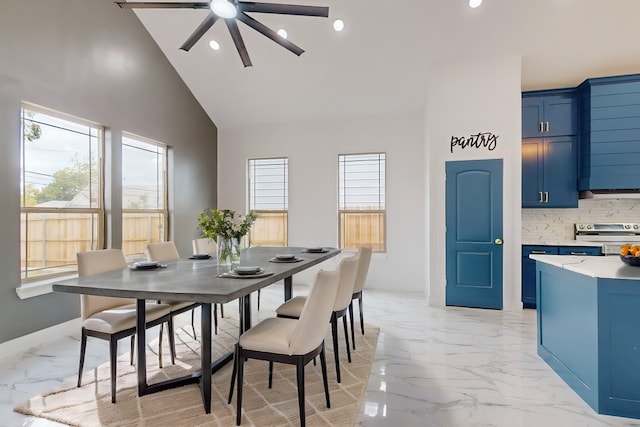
90	405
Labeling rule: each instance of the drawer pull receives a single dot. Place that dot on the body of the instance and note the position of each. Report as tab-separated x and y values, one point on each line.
539	252
578	253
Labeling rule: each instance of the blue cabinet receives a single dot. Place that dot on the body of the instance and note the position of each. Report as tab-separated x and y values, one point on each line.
529	272
549	113
549	172
610	133
529	266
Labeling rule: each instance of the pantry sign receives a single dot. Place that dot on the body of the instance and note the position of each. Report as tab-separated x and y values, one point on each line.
487	140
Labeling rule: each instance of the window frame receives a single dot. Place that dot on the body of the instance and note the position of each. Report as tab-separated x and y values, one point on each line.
98	212
164	213
382	179
258	212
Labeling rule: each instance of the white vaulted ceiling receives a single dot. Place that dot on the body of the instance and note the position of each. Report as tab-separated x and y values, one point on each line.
380	63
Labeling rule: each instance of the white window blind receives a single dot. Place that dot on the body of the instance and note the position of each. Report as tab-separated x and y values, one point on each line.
269	199
361	200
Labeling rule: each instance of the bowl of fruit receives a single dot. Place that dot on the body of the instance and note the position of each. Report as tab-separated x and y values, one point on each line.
630	254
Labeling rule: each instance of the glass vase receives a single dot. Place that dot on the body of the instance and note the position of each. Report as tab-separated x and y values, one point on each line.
225	247
235	252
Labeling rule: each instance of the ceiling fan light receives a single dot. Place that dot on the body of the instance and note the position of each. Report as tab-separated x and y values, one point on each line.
338	25
474	3
214	45
223	9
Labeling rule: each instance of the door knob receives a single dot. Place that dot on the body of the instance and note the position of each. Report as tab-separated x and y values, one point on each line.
498	241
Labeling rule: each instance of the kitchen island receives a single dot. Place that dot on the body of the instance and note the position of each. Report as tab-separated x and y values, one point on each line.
589	328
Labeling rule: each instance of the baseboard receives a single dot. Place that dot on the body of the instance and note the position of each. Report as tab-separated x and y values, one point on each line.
23	343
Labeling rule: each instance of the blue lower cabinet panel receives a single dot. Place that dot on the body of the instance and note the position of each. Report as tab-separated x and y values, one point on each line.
588	334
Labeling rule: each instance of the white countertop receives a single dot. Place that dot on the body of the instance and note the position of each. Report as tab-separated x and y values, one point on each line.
564	243
605	267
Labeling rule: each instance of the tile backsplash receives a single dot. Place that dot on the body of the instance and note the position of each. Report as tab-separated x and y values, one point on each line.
543	225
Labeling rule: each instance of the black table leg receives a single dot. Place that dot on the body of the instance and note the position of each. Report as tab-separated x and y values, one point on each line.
246	315
288	285
205	355
141	332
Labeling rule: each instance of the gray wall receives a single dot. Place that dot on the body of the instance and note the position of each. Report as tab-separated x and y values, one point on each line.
93	60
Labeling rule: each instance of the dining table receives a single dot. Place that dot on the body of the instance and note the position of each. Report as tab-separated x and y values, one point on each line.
204	282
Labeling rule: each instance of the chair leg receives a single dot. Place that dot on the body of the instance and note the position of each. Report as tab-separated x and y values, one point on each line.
346	337
270	373
361	316
132	349
353	337
323	365
160	345
240	380
172	340
193	323
301	398
113	352
83	348
233	373
258	299
334	334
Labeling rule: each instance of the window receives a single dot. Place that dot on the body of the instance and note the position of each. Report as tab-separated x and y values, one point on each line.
269	199
61	192
144	193
362	201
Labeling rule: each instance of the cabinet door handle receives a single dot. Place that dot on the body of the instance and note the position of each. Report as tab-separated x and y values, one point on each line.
546	197
540	127
540	193
577	253
546	126
537	252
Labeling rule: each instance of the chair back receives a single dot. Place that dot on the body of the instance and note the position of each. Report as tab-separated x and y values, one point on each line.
204	246
313	323
348	270
162	252
96	262
363	268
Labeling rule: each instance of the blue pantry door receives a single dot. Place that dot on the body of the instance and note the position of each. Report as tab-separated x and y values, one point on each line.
474	233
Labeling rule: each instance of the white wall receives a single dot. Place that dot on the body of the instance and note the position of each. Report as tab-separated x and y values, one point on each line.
465	98
313	149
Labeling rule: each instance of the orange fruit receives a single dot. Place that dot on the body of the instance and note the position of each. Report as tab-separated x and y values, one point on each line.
624	250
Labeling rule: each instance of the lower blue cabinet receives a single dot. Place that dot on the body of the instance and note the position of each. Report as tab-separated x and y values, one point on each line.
529	266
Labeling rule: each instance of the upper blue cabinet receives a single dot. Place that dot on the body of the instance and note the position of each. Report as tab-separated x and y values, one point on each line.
549	113
550	149
610	133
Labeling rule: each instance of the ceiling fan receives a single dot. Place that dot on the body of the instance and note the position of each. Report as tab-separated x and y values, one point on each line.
230	10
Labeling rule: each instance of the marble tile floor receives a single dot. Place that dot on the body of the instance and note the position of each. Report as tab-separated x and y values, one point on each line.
433	367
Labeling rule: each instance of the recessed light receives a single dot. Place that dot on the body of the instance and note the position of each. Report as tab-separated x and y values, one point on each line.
282	33
475	3
338	25
214	45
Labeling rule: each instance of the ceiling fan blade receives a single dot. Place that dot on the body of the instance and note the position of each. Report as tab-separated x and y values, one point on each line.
268	32
163	5
199	32
232	25
283	9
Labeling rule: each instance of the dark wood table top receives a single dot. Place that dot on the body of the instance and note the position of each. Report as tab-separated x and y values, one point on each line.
195	280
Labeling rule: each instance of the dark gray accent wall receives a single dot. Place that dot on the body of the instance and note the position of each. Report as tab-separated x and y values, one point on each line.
91	59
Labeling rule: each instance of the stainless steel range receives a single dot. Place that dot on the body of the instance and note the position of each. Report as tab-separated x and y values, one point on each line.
610	235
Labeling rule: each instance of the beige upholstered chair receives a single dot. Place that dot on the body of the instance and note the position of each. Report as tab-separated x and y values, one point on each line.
110	318
204	246
361	277
291	309
291	341
166	252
